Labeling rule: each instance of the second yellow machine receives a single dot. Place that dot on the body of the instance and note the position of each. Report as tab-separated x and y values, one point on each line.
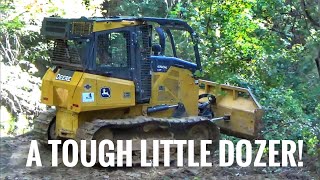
134	78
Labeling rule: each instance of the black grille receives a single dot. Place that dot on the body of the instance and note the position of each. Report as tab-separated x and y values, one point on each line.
65	53
54	28
145	92
81	28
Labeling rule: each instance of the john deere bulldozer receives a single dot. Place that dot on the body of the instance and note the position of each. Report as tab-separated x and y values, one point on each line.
133	78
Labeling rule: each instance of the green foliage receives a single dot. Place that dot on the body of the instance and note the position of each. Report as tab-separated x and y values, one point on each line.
317	111
147	8
7	121
285	118
270	47
11	24
142	8
24	53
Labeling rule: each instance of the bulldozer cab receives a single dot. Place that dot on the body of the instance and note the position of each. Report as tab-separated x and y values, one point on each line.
121	47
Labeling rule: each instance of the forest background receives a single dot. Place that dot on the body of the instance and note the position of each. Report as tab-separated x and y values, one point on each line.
269	46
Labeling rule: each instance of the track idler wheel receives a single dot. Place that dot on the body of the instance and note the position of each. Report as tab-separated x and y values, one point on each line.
52	131
100	135
44	126
204	131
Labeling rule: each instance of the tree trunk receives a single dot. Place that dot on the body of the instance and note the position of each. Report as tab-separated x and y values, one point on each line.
317	60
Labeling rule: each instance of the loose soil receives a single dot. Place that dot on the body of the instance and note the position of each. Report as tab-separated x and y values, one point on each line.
14	152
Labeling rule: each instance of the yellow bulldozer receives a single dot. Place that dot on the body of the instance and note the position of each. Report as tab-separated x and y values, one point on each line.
133	78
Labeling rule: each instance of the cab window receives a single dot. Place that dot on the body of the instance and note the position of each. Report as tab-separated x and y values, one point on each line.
113	50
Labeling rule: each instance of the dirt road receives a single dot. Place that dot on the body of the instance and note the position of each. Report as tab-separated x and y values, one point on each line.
14	151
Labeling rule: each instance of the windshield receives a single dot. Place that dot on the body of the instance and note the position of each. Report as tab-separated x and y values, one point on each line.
177	43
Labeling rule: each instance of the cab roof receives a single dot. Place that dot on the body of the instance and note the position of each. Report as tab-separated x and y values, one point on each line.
165	22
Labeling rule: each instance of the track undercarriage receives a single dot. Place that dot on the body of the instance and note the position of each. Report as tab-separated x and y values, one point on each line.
140	128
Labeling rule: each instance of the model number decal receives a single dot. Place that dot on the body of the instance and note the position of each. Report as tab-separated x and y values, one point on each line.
63	77
162	67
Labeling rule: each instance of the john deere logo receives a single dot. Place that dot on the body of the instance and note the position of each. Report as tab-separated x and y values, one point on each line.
105	92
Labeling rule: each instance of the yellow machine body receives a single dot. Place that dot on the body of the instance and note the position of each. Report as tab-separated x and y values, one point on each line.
179	86
78	96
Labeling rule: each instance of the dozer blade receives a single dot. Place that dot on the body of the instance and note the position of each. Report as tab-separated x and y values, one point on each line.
238	103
